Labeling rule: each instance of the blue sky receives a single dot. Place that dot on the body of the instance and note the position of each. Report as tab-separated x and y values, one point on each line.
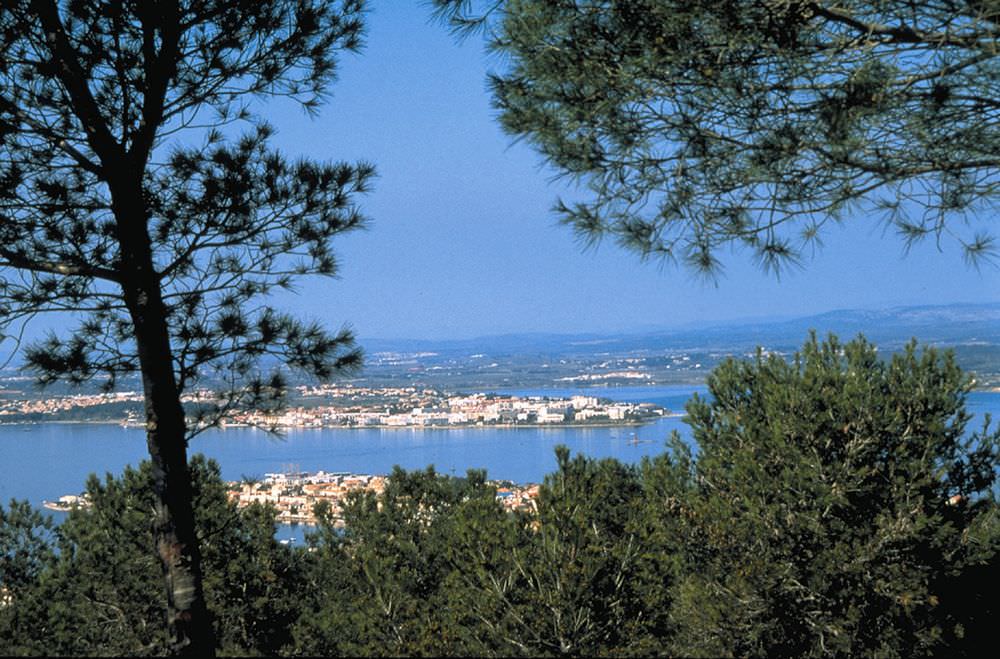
463	243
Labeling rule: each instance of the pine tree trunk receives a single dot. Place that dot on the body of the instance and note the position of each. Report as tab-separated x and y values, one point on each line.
174	533
173	527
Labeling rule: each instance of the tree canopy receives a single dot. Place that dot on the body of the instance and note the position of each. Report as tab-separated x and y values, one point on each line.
840	505
701	124
130	198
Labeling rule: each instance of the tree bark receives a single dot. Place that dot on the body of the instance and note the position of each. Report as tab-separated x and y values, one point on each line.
174	534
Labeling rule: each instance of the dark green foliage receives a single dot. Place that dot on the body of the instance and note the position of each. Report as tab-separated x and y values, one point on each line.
25	537
573	578
437	567
392	580
839	508
701	123
96	588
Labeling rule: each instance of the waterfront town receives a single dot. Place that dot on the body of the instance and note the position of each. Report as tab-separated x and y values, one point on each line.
413	407
347	406
294	494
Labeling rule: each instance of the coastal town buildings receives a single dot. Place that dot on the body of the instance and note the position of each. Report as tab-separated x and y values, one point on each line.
337	406
295	495
459	410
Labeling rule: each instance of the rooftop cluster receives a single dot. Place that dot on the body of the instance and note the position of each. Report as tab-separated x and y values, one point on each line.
295	495
434	409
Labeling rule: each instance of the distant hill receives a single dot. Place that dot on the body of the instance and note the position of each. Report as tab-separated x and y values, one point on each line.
678	355
951	325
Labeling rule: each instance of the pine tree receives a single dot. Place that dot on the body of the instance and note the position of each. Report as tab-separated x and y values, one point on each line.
754	123
128	200
839	507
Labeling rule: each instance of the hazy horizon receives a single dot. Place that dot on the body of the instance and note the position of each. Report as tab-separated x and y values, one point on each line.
692	325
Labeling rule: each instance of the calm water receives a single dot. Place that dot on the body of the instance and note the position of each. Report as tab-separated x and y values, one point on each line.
45	461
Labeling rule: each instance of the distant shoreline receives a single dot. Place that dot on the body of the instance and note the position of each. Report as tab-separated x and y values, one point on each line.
456	426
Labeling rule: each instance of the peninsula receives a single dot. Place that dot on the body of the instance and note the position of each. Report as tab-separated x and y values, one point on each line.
351	406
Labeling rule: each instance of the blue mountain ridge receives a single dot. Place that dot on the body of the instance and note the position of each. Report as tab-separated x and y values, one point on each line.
952	324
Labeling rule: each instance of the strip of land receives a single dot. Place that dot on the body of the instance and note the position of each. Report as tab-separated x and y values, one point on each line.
339	406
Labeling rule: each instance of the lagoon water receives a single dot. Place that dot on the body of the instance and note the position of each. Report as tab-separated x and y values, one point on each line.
45	461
